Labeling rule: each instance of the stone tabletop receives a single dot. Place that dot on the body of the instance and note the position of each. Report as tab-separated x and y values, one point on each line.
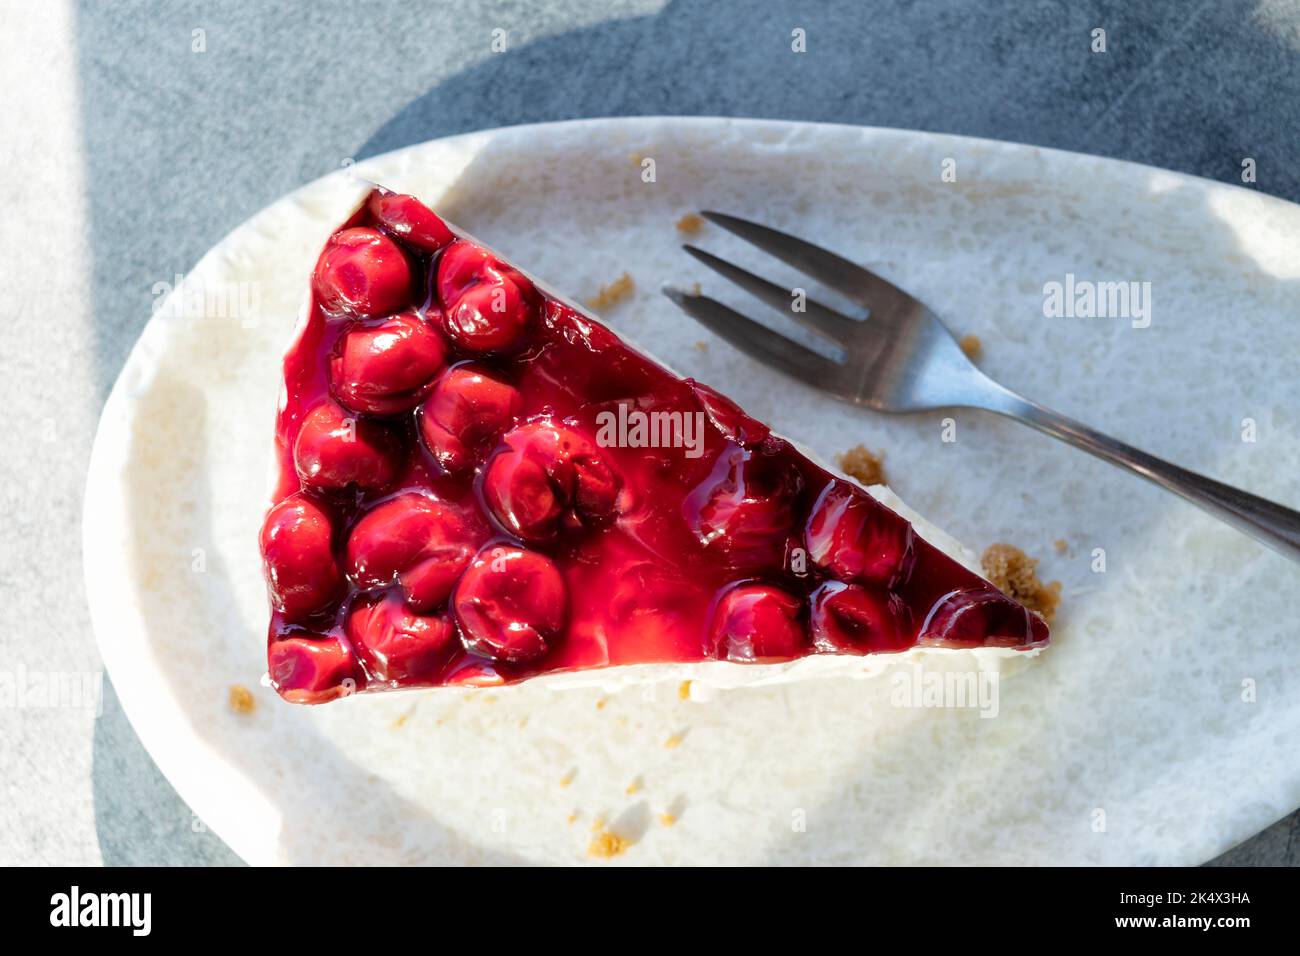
137	134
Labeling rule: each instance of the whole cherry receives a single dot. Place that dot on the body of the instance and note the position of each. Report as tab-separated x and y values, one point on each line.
362	273
387	367
978	616
468	409
311	670
335	450
510	604
852	619
755	623
417	541
488	306
394	642
298	557
411	220
856	538
744	510
547	476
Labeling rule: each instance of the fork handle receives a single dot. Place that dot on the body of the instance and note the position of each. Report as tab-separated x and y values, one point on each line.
1265	521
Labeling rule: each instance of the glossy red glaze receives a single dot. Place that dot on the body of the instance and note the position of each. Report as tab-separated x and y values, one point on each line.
734	546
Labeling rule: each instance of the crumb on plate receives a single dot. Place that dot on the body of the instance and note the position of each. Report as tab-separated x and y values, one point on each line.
971	345
241	699
690	224
606	844
674	741
614	293
684	690
866	466
1061	546
1015	574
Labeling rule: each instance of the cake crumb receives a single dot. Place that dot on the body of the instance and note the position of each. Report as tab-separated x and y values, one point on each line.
673	742
606	844
600	704
971	345
1015	574
667	819
400	721
866	466
573	818
614	293
241	699
701	346
690	224
1061	546
568	778
684	690
634	787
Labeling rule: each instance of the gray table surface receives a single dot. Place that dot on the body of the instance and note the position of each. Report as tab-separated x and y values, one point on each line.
126	154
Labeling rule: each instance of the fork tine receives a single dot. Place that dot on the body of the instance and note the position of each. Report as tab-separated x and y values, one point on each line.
818	318
822	264
755	340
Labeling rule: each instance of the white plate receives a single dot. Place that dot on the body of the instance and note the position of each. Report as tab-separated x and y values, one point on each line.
1155	730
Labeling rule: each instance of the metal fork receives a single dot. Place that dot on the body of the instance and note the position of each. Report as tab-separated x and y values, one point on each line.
903	359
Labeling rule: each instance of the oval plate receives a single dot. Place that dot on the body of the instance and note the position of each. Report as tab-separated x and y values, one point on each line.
1152	732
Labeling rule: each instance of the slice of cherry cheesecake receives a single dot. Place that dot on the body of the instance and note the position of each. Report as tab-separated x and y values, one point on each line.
479	484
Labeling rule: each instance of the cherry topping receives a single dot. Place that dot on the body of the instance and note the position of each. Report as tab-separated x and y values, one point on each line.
334	450
545	476
311	670
418	541
744	510
298	556
488	305
469	408
490	317
728	417
510	604
387	367
394	642
971	617
754	623
410	219
362	272
850	619
856	538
